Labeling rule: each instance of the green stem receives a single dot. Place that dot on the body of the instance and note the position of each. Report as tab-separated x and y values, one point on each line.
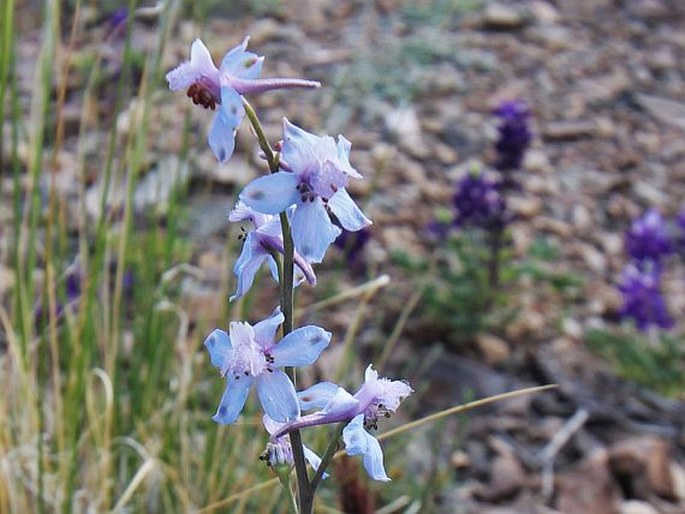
327	456
285	482
305	493
272	158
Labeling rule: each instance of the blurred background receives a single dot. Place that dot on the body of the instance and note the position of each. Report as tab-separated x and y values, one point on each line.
482	273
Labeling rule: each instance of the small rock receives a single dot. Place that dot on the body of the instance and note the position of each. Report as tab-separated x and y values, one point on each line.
582	219
572	328
525	208
503	17
537	161
460	460
544	12
494	349
678	475
445	153
644	463
637	507
506	479
403	124
554	226
589	488
569	130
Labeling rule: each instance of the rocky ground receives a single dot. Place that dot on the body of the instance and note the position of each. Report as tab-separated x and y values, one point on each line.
412	85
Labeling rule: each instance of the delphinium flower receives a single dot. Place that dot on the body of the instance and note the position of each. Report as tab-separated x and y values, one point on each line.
642	299
647	241
314	172
210	87
248	355
279	451
259	245
514	135
478	203
376	398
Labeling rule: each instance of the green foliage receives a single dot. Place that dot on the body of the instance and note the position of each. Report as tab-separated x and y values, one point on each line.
437	12
459	298
657	364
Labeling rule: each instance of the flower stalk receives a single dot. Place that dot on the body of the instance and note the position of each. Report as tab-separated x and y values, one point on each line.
286	277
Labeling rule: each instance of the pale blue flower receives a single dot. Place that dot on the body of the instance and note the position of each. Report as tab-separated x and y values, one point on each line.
209	87
313	176
259	245
279	451
376	398
251	355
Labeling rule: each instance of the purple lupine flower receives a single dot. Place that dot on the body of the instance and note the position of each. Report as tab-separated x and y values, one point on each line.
377	397
514	134
279	451
642	299
478	203
209	87
648	240
251	355
259	245
313	176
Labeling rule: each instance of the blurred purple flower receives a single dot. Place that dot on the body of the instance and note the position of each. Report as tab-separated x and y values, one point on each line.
479	204
315	172
118	18
376	398
209	87
439	230
352	244
642	299
251	355
259	245
647	240
514	134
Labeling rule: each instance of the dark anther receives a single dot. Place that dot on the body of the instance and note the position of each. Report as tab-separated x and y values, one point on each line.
202	96
247	374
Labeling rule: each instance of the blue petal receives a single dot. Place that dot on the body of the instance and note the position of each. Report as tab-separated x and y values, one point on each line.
218	345
301	347
343	405
265	330
313	230
347	212
233	399
240	63
222	132
247	265
278	397
317	396
314	460
301	149
359	442
273	268
272	194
